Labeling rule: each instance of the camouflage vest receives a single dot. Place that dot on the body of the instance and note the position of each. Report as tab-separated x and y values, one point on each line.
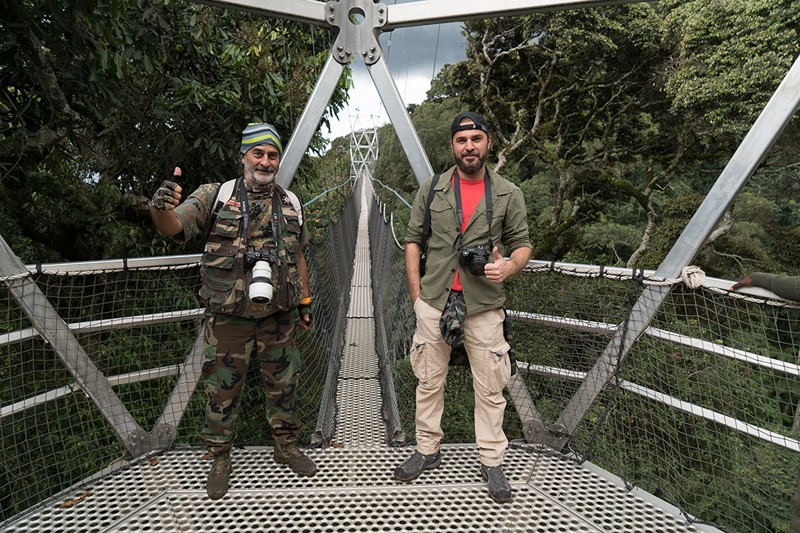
226	279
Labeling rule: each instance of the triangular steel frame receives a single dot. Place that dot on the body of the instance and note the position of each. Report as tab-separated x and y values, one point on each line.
358	25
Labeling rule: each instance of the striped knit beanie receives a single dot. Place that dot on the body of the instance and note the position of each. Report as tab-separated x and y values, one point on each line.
256	134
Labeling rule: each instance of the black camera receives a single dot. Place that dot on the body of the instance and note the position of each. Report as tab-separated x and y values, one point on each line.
474	259
252	257
260	290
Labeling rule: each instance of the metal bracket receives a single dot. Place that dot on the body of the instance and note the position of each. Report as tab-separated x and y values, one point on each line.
359	23
534	431
140	442
556	437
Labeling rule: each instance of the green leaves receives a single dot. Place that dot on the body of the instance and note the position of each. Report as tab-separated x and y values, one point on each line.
730	57
125	90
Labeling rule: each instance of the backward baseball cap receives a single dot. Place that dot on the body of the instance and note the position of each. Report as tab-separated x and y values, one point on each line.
256	134
478	123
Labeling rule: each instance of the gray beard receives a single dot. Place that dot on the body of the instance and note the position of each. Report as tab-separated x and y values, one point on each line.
258	184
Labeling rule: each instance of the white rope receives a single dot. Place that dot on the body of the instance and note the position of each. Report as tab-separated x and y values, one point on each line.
693	277
15	277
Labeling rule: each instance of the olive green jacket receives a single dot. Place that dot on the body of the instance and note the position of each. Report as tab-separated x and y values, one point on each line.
787	287
509	232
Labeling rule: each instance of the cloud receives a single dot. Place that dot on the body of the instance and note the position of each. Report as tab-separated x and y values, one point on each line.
414	56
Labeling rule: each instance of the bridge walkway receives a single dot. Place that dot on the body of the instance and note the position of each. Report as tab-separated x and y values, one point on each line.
354	489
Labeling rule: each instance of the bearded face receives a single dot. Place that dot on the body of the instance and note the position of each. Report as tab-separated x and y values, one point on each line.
260	164
470	149
470	161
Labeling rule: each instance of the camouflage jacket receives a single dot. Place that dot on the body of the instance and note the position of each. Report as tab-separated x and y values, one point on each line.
226	278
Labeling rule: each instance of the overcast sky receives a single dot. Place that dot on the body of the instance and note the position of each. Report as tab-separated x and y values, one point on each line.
414	56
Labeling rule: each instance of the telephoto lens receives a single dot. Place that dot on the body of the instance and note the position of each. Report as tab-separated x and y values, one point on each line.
260	291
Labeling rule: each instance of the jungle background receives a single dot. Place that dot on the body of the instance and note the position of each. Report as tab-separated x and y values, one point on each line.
614	121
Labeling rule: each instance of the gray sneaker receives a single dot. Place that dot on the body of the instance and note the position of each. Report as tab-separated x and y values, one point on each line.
412	467
218	476
289	454
499	488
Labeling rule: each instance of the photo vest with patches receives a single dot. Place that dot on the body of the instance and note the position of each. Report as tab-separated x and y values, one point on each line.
226	278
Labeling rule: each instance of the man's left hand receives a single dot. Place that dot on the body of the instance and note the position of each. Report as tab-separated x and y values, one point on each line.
304	310
499	270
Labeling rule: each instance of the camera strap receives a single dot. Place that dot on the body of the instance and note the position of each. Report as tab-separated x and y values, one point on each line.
487	192
277	214
245	213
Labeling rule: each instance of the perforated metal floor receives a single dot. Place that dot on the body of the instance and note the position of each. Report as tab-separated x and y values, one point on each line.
358	395
353	491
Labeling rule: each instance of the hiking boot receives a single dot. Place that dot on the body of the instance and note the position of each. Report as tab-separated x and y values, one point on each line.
289	454
499	488
412	467
217	484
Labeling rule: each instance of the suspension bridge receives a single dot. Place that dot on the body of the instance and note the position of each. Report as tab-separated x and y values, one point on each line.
644	401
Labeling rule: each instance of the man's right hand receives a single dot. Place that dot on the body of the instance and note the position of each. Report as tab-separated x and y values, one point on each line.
168	196
745	281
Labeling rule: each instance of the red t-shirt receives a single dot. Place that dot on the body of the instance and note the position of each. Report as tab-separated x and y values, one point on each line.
471	193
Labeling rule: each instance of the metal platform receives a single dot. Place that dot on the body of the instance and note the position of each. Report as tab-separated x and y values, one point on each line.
353	491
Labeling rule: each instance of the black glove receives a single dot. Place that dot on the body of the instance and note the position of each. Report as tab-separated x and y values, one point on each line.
304	310
165	196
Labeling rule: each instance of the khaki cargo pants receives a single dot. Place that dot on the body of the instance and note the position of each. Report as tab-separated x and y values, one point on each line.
491	368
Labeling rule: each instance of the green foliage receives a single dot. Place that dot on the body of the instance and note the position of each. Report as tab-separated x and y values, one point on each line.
614	113
432	121
100	101
730	56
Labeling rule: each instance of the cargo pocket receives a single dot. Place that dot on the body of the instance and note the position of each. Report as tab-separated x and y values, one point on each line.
288	280
416	355
227	224
499	367
219	275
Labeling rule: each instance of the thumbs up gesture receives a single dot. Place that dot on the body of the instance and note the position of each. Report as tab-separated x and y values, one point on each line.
168	196
498	270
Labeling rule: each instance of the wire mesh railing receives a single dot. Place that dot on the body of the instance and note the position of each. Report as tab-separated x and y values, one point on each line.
703	411
135	324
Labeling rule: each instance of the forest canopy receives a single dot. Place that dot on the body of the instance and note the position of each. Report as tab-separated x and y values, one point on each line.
614	121
101	100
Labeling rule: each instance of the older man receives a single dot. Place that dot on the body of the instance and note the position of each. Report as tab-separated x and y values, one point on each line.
255	280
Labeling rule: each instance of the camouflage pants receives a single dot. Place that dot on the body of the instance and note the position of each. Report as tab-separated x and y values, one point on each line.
230	341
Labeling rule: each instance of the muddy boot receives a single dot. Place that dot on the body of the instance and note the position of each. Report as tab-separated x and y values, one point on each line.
219	476
289	454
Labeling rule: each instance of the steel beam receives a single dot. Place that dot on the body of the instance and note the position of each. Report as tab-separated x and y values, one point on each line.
45	319
299	10
359	24
178	403
401	120
747	158
309	121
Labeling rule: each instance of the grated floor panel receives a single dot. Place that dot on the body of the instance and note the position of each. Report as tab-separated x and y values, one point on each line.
353	491
359	359
359	421
360	303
